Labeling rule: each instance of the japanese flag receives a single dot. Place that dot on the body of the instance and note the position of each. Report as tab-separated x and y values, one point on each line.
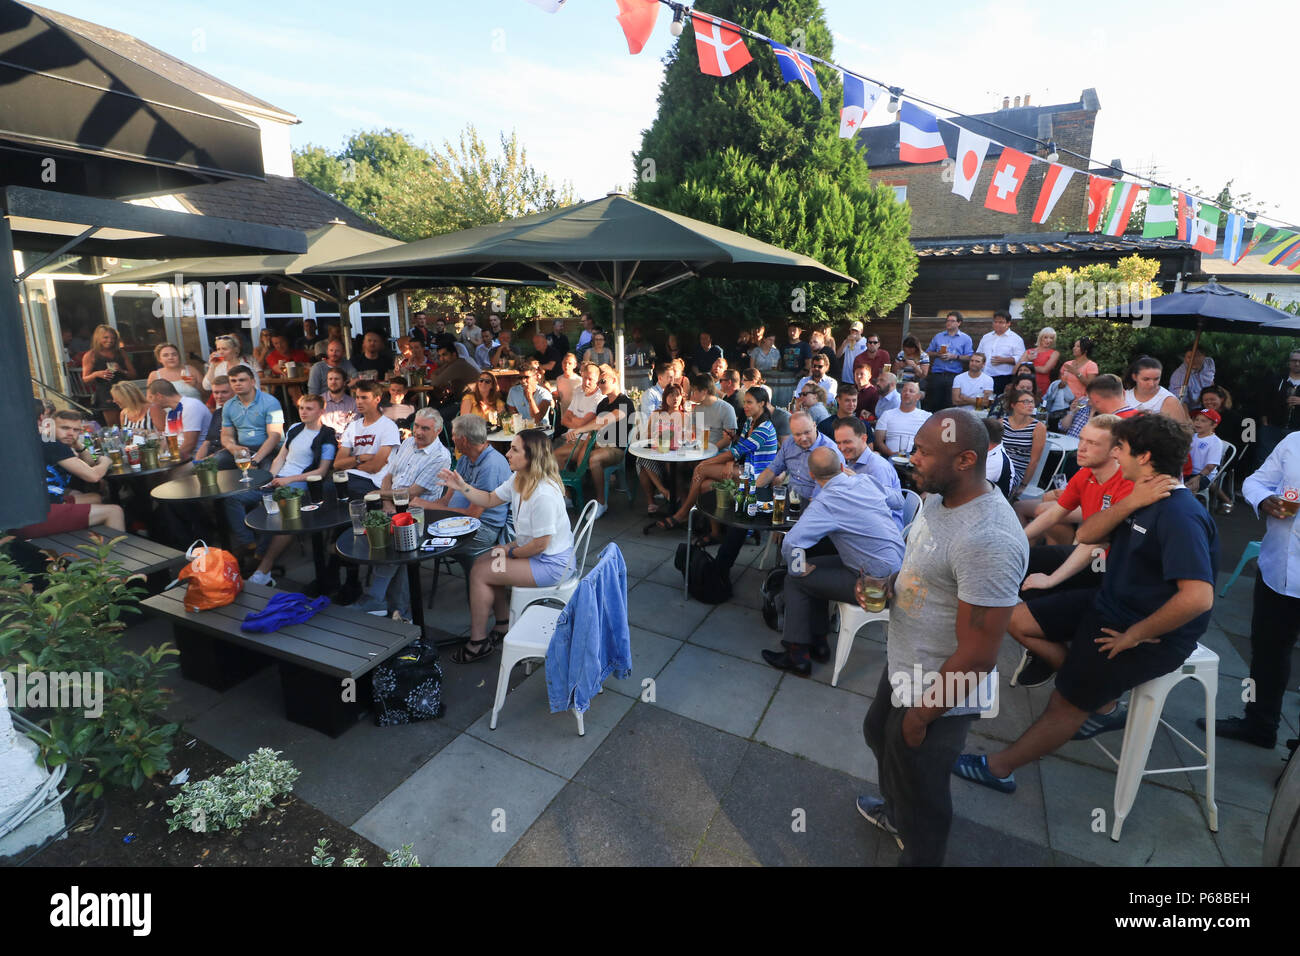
1008	177
971	149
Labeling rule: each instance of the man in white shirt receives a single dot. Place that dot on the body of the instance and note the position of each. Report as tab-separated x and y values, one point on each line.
820	364
1001	348
972	384
192	414
852	346
897	428
582	410
367	442
1274	491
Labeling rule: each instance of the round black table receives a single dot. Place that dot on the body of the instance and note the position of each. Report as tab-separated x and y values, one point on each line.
228	483
706	505
328	516
356	548
114	476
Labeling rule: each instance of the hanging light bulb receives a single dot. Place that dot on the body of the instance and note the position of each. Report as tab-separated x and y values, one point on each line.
893	99
675	28
1052	154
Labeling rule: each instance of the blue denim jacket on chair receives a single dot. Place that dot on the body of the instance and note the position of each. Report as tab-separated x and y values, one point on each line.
591	639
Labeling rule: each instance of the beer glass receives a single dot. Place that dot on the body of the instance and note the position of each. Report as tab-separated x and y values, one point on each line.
316	488
1290	501
374	501
341	486
870	593
245	461
401	498
357	512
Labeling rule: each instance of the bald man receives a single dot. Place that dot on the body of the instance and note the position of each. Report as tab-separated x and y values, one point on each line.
951	602
852	512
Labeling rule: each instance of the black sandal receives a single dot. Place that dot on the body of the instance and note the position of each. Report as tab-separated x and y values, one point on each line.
498	634
669	523
466	655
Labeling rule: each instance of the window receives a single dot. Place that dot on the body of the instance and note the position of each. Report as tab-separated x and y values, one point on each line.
900	193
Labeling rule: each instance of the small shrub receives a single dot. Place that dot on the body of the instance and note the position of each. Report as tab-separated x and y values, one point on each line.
233	797
402	857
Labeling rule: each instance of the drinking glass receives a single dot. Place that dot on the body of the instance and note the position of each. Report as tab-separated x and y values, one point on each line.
316	489
341	486
870	593
245	461
269	503
795	501
416	512
357	512
1290	501
401	498
374	501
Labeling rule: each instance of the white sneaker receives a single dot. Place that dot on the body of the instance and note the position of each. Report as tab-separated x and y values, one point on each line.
601	509
262	577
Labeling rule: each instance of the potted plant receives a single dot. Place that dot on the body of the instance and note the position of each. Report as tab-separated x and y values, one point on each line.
289	499
149	454
376	525
724	493
206	472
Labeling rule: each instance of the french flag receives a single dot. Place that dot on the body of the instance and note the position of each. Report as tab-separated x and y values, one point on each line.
918	135
1054	183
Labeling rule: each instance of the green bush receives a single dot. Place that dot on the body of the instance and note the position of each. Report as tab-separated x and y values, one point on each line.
74	626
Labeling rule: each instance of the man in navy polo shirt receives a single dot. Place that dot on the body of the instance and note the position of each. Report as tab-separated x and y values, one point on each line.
1143	622
949	353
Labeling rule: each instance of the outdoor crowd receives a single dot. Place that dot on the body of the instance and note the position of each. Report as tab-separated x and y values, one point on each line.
1105	576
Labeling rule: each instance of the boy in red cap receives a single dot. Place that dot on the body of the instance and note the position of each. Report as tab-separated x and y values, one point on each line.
1207	450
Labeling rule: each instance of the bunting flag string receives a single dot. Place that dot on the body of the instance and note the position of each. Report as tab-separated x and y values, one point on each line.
721	49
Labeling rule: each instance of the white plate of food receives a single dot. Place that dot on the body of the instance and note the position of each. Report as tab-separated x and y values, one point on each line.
455	527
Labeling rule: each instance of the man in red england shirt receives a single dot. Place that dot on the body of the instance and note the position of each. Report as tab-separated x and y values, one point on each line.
1097	485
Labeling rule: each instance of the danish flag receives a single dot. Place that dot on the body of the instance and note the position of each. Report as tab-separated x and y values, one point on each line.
721	50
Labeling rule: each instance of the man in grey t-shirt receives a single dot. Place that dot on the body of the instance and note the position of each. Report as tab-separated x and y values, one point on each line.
966	556
712	412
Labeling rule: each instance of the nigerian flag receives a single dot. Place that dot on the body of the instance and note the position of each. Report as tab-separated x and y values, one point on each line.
1160	220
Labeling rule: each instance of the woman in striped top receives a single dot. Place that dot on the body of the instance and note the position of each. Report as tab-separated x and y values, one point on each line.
756	444
1023	438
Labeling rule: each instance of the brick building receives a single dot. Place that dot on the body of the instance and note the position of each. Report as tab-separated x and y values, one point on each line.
937	212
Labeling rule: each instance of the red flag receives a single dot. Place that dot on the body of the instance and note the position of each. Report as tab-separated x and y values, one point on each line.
1008	177
1098	190
637	18
1054	183
721	50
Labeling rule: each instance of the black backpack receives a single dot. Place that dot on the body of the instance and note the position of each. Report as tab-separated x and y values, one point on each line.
773	591
408	687
707	581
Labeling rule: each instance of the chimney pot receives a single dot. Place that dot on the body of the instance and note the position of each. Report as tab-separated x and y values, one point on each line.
1026	99
1017	104
1006	102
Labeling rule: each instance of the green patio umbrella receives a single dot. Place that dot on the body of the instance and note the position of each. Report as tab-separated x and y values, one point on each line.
614	248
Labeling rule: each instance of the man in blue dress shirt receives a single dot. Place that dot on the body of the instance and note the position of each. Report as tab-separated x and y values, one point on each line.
949	353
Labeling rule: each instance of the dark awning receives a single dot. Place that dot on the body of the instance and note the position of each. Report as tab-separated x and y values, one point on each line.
112	128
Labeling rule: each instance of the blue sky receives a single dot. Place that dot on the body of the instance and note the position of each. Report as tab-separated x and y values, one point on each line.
579	102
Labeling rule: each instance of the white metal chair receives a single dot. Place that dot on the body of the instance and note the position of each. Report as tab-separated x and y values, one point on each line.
1146	703
1229	453
528	638
520	598
911	505
852	618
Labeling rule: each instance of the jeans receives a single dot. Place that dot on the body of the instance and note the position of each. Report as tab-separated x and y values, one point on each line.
387	584
1274	628
915	782
239	504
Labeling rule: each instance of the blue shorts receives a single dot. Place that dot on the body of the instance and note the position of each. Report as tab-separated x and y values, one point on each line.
549	569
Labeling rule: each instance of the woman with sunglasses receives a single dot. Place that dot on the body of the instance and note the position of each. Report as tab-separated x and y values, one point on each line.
541	554
610	430
1023	437
483	399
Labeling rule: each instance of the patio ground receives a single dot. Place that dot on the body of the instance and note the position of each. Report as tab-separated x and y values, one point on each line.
732	762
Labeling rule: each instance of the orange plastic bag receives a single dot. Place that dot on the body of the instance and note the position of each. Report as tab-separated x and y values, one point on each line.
213	577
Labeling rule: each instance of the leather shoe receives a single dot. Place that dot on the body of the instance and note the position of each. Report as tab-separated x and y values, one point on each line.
1239	728
821	653
782	662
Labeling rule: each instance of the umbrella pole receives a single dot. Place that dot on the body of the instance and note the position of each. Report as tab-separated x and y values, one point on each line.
617	302
1196	342
345	325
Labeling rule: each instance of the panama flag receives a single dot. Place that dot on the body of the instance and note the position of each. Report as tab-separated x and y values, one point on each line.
1054	183
971	150
1160	213
1186	221
859	97
1232	236
1098	189
720	49
1008	177
1122	198
918	135
796	67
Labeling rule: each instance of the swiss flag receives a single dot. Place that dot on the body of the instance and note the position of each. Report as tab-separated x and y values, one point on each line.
721	50
637	17
1008	177
1098	190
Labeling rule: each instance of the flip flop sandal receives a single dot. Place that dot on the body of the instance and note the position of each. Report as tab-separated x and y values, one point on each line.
464	654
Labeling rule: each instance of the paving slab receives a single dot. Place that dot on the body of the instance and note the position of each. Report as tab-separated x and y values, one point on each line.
820	723
584	828
710	855
784	811
1164	828
1241	835
344	776
527	729
650	653
1230	661
665	767
642	562
466	807
664	610
862	670
746	585
716	689
469	689
1022	814
736	630
974	844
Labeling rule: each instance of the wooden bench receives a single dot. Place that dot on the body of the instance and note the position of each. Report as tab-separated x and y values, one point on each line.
316	659
136	554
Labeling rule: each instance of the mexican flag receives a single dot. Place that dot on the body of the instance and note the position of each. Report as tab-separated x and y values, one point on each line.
1160	213
1206	236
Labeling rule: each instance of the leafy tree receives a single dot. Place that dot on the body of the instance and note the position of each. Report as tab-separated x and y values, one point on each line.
414	192
751	153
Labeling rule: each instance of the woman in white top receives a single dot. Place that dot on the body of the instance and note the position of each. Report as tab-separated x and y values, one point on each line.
541	554
1148	395
228	352
173	368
